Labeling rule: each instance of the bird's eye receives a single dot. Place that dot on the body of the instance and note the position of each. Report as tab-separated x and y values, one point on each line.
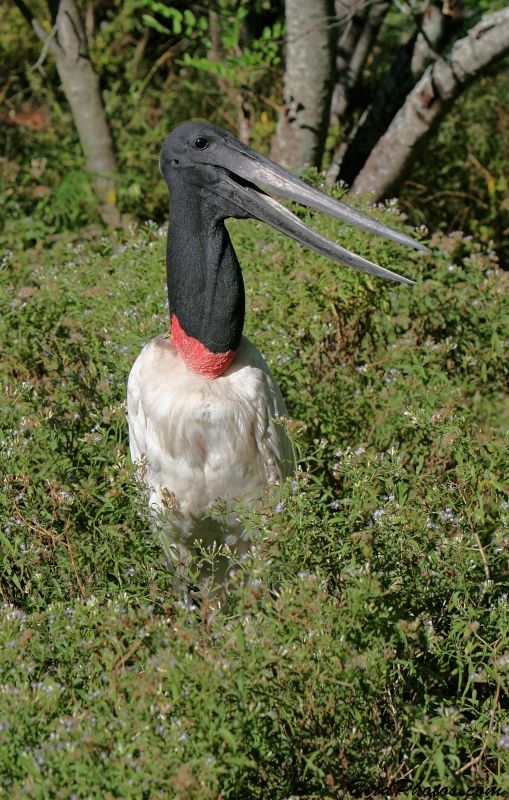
201	143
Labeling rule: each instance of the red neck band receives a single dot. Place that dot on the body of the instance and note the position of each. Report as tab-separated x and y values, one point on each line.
196	356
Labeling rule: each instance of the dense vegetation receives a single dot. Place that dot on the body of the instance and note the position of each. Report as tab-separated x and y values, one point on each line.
366	651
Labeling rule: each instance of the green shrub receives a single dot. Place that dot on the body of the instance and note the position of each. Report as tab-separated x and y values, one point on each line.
366	652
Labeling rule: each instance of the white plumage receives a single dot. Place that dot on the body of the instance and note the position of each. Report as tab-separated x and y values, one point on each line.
204	440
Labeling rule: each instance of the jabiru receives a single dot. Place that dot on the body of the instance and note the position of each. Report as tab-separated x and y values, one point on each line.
202	402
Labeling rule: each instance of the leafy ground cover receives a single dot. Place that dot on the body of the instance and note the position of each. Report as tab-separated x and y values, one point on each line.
366	651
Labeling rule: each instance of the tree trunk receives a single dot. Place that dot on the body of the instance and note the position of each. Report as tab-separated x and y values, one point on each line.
304	118
350	15
407	68
429	102
245	116
81	88
350	60
349	78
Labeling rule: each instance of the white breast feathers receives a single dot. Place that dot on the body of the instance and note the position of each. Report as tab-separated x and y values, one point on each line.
204	440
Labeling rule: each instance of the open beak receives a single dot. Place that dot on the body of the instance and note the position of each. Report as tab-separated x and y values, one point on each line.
255	170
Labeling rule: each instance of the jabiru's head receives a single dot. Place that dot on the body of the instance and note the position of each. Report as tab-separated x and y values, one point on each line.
212	176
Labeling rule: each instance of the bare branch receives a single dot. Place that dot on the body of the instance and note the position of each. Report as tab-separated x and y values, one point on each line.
353	49
40	61
348	32
47	39
429	102
435	29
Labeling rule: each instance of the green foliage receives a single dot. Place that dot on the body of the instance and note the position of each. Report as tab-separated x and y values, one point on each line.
241	66
365	652
44	188
460	183
468	189
182	22
147	91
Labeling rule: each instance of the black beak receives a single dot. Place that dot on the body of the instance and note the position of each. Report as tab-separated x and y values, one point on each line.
254	169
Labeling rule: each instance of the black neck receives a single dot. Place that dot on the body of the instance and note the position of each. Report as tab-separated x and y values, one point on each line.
205	286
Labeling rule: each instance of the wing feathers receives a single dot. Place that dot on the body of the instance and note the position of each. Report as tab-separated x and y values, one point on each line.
206	439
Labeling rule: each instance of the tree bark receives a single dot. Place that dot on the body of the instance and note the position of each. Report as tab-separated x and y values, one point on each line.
353	50
81	88
437	28
350	16
429	102
304	118
348	79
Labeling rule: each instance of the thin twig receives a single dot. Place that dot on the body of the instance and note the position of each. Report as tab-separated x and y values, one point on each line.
473	530
485	562
481	548
5	89
181	44
140	49
403	764
461	215
40	61
36	528
276	106
392	778
419	185
71	556
476	760
407	774
38	28
372	364
477	164
452	193
127	656
224	114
